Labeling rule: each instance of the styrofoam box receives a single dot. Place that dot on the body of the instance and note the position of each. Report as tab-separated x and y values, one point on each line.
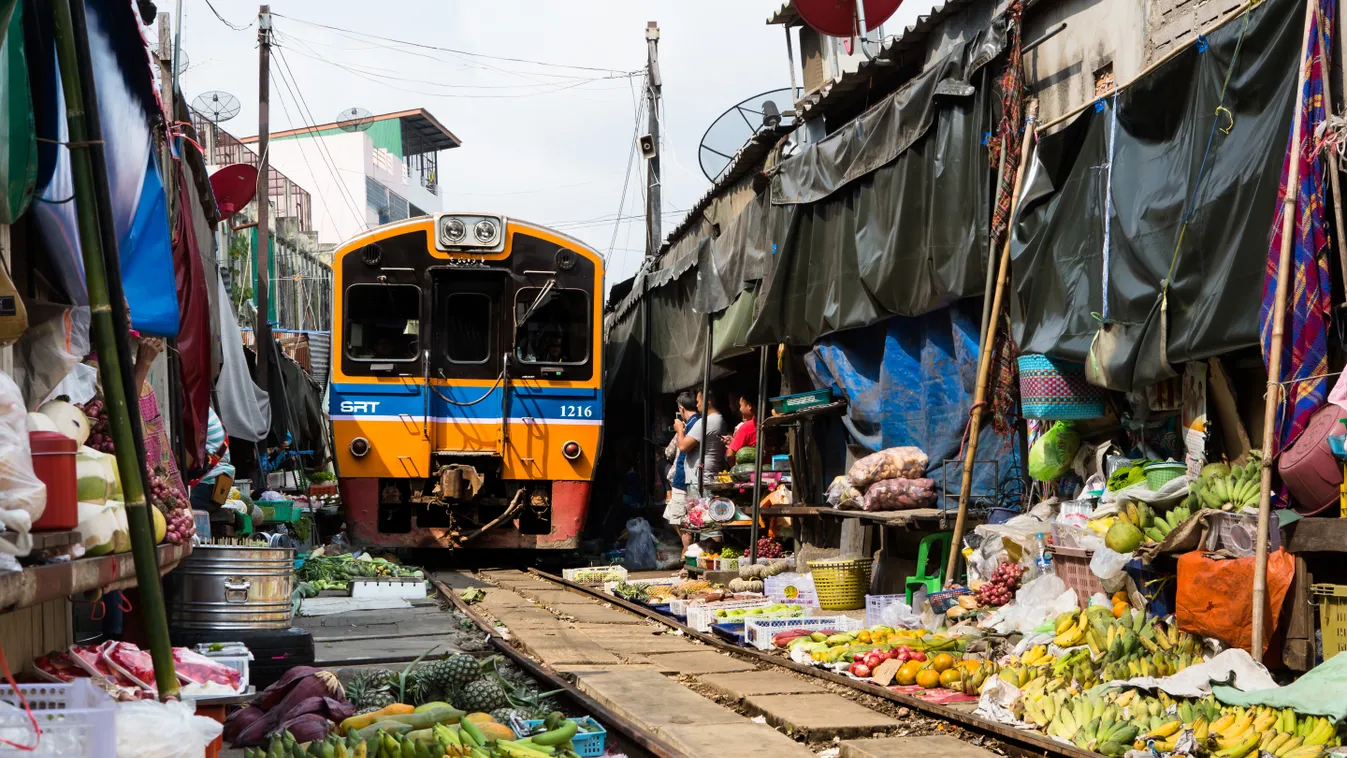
404	589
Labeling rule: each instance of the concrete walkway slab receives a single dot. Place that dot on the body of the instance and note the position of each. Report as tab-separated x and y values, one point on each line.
698	662
624	639
558	645
743	739
654	701
819	717
902	747
748	683
593	613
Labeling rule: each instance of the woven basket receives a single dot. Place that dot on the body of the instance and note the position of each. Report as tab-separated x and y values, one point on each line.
841	584
1056	390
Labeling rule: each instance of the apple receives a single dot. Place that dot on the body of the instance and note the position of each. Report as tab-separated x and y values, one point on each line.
858	657
860	670
903	656
917	655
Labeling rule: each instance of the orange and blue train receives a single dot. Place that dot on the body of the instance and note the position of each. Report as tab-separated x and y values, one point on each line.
466	400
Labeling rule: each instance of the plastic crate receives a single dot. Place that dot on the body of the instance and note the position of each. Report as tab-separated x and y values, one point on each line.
791	588
759	632
1332	600
1234	533
875	605
702	615
1072	566
802	401
669	581
588	744
729	564
77	719
595	574
278	510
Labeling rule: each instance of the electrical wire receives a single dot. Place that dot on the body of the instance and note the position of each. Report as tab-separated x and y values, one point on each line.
331	169
453	51
235	27
631	162
288	73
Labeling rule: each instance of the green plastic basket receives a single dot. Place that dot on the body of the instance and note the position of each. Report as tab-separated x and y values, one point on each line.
279	510
1158	474
802	401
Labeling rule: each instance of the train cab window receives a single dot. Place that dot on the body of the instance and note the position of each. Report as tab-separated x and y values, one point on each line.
383	322
552	325
468	327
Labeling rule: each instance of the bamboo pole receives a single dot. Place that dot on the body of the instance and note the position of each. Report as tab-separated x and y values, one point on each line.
105	338
1274	368
985	349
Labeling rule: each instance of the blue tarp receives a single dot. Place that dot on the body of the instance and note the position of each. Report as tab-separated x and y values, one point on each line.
910	381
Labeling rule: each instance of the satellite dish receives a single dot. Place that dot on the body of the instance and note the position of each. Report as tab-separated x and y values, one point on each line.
216	106
739	124
234	186
354	119
837	18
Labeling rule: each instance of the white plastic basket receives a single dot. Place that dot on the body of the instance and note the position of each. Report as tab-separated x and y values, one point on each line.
791	588
77	719
702	615
759	632
875	605
730	564
595	574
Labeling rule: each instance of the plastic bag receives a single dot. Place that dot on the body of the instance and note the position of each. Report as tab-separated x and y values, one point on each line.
893	463
899	615
23	497
1110	568
1051	455
640	546
844	495
900	495
149	729
80	385
1036	603
195	668
46	353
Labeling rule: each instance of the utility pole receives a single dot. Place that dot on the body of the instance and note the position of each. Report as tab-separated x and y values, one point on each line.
166	97
262	327
652	242
652	90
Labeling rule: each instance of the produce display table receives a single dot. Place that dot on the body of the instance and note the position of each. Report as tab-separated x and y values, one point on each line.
38	584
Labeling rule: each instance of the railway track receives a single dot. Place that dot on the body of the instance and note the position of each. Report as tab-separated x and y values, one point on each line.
532	633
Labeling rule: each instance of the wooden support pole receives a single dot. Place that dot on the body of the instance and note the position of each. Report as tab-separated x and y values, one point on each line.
1325	66
1274	358
985	349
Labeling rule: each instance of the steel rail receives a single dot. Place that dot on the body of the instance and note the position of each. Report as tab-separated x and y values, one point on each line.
556	681
1030	742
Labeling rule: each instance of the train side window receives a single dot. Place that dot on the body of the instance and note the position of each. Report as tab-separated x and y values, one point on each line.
468	327
552	325
383	322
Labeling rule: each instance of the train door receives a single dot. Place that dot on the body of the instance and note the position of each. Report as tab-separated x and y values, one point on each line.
467	355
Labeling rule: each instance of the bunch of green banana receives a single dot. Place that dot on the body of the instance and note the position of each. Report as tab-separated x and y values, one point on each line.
285	745
1226	488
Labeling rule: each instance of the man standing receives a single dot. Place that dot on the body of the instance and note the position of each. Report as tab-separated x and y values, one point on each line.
676	511
712	430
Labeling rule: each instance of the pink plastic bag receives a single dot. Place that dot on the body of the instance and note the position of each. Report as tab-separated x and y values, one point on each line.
893	463
900	495
131	662
195	668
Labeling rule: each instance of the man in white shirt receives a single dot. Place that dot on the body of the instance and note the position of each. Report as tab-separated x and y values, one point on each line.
690	440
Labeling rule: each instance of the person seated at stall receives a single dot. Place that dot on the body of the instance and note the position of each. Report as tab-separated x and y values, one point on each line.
746	433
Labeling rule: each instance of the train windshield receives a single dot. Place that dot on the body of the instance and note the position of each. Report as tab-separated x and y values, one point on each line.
552	325
383	322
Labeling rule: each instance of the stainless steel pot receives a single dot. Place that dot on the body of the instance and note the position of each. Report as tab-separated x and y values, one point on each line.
228	587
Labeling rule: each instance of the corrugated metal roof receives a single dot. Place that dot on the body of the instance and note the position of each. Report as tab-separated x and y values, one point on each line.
786	15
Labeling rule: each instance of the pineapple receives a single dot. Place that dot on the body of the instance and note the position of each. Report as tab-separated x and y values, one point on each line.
482	696
453	673
370	689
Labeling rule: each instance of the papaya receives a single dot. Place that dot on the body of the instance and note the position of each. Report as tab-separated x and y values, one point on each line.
427	719
431	706
356	723
387	727
493	731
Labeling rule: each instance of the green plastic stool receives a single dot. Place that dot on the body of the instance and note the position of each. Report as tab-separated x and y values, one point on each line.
924	578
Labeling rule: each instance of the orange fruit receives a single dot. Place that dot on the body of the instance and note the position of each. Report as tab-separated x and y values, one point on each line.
950	679
928	679
943	662
907	673
972	665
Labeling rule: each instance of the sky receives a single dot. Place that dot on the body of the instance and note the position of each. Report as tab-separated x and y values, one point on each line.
546	137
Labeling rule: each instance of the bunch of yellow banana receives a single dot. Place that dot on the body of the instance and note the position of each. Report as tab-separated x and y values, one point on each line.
1037	655
1089	722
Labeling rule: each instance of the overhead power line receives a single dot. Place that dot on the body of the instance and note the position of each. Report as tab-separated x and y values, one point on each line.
454	51
226	22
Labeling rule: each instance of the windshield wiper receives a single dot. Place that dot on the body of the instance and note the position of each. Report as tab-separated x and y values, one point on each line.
541	299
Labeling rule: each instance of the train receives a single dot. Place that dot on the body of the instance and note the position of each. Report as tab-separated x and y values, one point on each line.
466	399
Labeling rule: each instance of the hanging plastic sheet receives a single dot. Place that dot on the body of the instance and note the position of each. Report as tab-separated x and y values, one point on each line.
885	244
127	108
1162	172
194	332
18	139
245	410
910	381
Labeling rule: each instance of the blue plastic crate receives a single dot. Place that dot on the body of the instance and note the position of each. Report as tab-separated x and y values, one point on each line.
588	744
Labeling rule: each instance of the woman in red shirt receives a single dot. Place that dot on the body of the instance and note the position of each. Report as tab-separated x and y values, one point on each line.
746	433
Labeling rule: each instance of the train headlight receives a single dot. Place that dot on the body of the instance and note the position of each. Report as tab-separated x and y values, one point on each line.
360	447
454	231
485	231
571	450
